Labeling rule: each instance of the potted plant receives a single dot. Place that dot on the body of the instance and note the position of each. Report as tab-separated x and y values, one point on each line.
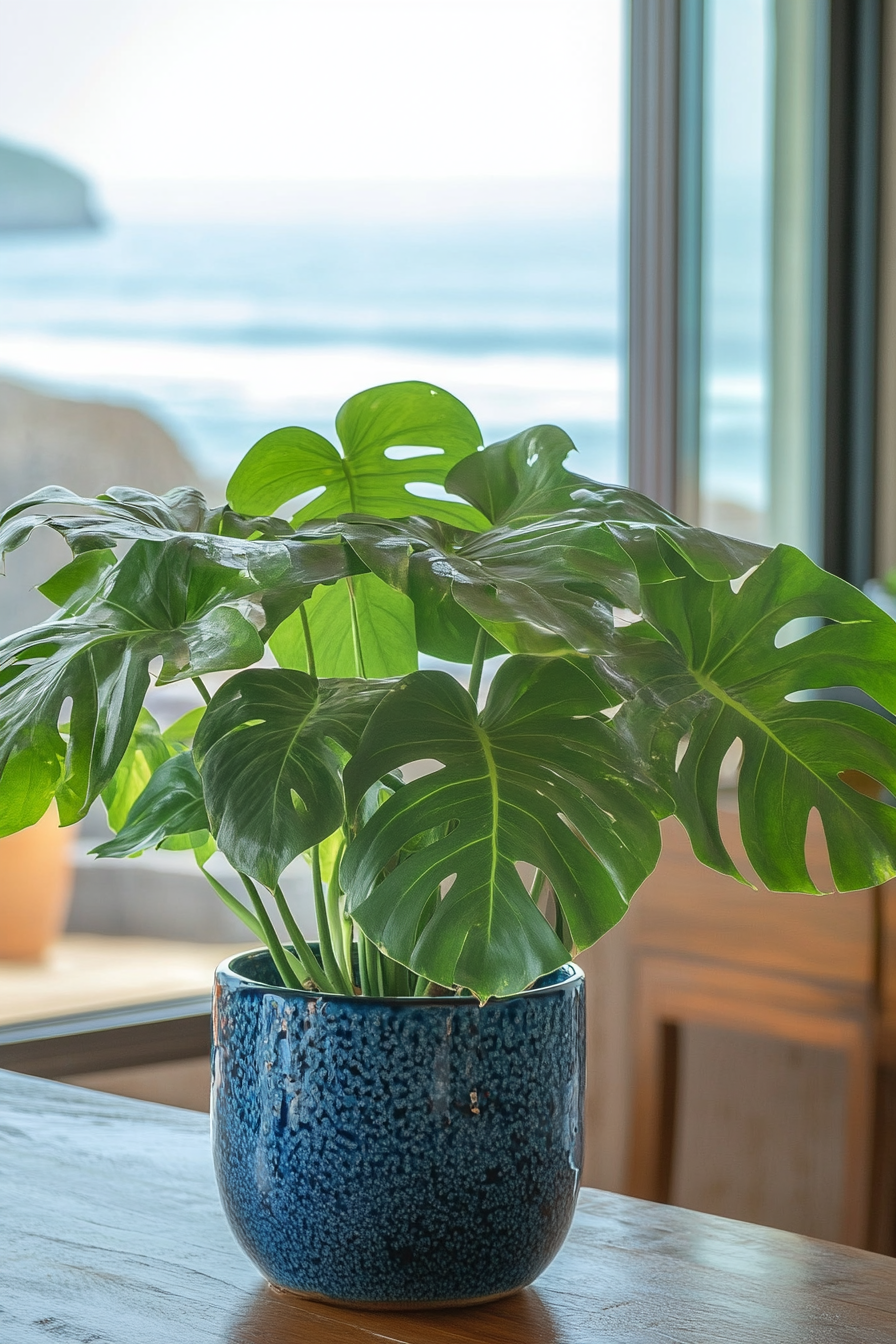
397	1107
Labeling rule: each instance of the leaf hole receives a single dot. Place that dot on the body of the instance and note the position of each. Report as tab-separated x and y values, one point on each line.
681	750
299	502
623	616
738	583
816	856
64	717
428	490
401	452
865	784
729	770
419	769
798	628
446	884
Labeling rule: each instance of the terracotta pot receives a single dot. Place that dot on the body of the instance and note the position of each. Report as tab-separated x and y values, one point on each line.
35	888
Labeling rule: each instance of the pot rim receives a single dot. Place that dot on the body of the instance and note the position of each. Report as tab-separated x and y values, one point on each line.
226	970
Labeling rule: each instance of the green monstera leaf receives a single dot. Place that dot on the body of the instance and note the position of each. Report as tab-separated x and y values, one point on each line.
284	570
524	480
357	628
562	554
269	750
708	672
547	587
148	748
145	752
363	478
168	813
125	514
73	587
161	601
539	777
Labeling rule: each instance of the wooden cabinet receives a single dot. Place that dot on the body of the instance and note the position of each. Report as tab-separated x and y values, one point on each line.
741	1048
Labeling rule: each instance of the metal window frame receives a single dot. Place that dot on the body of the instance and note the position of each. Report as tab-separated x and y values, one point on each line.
665	269
850	399
665	225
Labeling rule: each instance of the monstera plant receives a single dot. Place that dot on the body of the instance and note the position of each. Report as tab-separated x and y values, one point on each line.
637	651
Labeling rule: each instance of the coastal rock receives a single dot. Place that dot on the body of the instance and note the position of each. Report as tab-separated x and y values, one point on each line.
38	192
86	446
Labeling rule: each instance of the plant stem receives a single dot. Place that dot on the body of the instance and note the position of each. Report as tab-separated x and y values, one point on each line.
356	630
324	933
309	645
561	928
377	968
340	927
303	956
421	987
478	661
275	947
235	905
200	686
363	969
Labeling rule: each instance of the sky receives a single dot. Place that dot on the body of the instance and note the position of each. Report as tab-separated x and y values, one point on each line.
290	91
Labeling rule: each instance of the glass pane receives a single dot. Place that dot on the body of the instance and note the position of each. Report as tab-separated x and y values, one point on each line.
763	270
291	202
734	479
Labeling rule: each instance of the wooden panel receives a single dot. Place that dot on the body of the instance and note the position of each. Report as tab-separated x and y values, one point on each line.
608	1060
686	907
764	1133
886	913
112	1231
676	991
178	1082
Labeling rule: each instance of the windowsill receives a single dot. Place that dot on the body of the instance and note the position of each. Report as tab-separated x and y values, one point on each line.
85	972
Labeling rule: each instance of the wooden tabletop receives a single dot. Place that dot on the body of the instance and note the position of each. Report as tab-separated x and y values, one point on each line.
111	1233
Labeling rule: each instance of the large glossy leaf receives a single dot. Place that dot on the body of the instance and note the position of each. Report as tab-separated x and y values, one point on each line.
379	640
284	570
547	587
709	673
268	751
125	514
145	752
562	554
265	548
362	478
524	479
159	602
170	808
74	586
539	777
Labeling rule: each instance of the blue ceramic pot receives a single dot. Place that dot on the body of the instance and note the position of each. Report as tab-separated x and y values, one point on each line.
397	1152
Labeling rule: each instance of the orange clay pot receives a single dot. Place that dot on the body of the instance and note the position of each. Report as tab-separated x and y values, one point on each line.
35	888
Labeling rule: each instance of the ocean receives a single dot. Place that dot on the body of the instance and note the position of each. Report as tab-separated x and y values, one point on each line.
225	330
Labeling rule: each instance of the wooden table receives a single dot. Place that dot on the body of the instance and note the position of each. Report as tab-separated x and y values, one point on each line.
111	1233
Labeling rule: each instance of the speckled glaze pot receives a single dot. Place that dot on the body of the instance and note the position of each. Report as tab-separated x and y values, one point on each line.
397	1152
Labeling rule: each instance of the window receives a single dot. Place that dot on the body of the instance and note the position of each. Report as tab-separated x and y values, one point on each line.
294	201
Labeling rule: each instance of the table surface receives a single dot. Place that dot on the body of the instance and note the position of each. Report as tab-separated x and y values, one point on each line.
111	1233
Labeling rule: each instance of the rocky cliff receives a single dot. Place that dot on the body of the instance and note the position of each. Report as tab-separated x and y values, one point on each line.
84	445
37	192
